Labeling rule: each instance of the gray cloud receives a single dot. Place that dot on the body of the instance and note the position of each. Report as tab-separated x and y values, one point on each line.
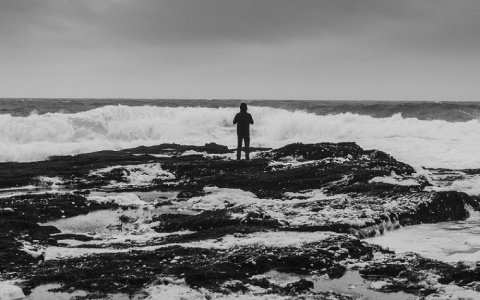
309	40
211	22
189	21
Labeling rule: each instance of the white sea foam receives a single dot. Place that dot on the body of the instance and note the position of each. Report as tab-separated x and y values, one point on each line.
418	142
136	174
448	241
397	180
267	239
453	292
10	292
177	289
468	184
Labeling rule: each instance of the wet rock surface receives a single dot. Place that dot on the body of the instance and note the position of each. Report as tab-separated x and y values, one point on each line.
228	222
201	268
19	218
40	208
410	272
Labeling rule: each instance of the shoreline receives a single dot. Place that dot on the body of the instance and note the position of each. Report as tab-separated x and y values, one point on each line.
211	225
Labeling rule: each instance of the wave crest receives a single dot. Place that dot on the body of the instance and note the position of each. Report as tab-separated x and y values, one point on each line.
432	143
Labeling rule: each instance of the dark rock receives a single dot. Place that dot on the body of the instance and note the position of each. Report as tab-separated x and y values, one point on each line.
443	206
211	148
13	174
190	194
256	176
20	226
128	272
300	286
385	270
203	221
72	236
409	274
316	151
337	169
47	207
12	235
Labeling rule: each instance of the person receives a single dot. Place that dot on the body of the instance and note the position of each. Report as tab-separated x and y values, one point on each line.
243	121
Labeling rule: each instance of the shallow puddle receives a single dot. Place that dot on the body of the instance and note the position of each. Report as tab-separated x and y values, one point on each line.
351	283
114	221
42	293
103	221
118	220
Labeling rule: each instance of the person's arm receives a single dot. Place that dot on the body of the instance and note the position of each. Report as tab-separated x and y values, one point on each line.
251	119
235	120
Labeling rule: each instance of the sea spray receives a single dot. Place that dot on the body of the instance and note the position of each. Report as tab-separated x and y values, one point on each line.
433	143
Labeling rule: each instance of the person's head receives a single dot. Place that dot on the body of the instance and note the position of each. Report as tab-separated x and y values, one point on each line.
243	107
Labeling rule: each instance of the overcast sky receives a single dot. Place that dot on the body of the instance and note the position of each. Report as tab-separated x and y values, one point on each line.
250	49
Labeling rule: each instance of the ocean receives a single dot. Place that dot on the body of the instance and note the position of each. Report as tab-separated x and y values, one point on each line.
422	134
430	136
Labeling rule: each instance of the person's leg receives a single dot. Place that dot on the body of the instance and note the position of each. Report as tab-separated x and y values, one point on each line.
247	148
239	147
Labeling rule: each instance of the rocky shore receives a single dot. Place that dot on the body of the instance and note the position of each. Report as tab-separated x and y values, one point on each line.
192	222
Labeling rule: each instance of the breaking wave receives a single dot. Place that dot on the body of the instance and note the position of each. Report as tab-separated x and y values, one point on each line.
432	143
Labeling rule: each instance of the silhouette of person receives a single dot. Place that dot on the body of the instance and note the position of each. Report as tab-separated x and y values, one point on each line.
243	121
